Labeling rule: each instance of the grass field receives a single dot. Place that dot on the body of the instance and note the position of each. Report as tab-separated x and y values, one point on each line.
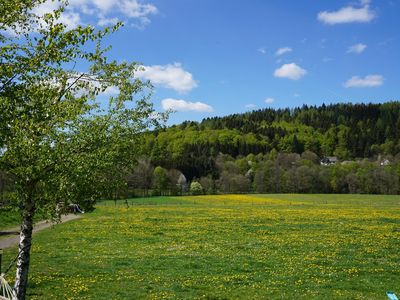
223	247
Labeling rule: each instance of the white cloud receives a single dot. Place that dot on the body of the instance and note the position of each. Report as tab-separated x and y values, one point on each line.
134	9
283	50
171	76
104	12
70	18
357	48
290	71
45	8
107	21
182	105
262	50
348	14
102	5
250	106
269	100
367	81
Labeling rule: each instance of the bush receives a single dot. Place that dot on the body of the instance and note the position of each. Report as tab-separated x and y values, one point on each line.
196	188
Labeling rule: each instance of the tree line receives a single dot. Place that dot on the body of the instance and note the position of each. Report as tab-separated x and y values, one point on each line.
271	173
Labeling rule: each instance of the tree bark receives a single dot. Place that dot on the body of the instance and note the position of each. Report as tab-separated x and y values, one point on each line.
25	242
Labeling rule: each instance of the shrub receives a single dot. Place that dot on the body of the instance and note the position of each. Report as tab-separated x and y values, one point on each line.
196	188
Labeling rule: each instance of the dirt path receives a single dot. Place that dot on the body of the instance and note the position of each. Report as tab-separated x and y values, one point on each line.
13	240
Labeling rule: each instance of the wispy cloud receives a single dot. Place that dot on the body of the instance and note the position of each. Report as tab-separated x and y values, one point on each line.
269	100
250	106
262	50
290	71
348	14
357	48
171	76
283	50
367	81
107	21
183	105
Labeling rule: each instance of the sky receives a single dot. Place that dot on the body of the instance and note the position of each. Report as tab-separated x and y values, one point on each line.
213	58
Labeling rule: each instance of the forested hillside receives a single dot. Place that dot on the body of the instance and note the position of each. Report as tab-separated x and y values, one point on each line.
277	151
344	130
348	131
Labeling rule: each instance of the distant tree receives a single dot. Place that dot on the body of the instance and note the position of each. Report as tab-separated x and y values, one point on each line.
259	182
173	181
242	164
287	160
343	144
306	179
232	168
389	147
290	181
273	154
338	178
365	175
329	141
160	179
297	146
196	188
142	175
234	183
225	182
182	183
241	184
208	184
323	180
311	156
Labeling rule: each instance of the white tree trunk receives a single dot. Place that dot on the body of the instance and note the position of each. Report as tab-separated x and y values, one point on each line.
21	280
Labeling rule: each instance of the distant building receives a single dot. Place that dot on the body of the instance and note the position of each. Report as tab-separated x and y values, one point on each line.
329	160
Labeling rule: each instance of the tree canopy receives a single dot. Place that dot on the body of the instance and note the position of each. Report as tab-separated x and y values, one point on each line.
348	131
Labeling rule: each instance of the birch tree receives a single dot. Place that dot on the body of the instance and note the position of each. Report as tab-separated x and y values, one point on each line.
58	141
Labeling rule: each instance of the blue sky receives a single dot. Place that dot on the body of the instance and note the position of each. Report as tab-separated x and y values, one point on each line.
208	57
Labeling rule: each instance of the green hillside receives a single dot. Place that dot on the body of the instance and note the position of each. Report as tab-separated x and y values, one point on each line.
280	151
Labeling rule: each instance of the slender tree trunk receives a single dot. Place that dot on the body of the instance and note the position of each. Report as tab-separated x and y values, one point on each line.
21	280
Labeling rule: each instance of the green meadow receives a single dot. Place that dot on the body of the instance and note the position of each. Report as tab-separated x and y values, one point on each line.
222	247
